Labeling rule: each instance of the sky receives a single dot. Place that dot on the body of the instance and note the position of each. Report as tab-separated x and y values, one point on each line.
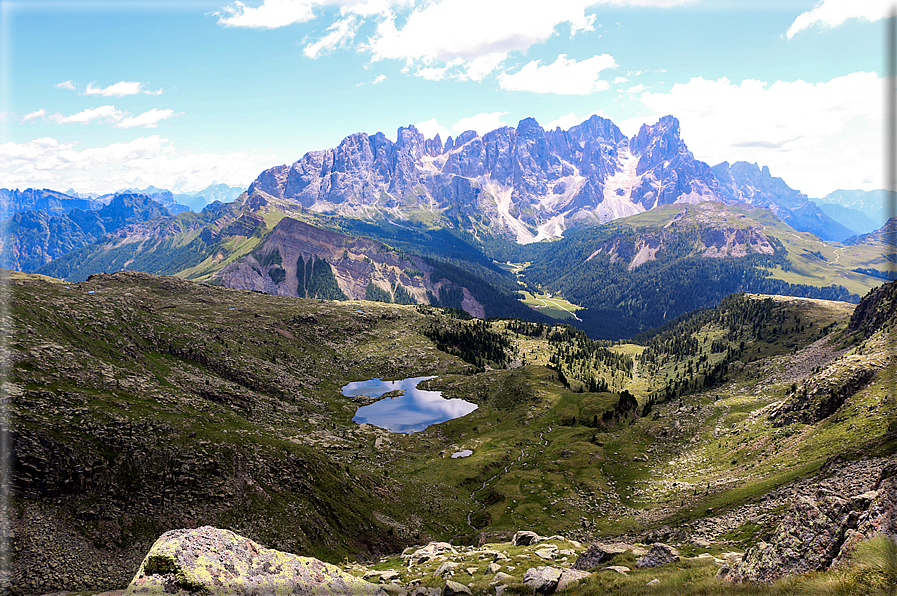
98	96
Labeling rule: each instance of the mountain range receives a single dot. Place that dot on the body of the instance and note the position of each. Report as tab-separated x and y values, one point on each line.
526	183
641	232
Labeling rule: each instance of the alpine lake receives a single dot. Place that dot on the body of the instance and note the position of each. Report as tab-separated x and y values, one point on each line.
411	410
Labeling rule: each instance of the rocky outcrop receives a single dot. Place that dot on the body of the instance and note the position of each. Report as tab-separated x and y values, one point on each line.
211	561
819	532
877	310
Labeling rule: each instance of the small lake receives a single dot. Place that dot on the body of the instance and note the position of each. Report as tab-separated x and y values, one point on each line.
412	411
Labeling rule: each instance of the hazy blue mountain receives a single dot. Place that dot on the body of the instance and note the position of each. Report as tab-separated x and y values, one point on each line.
871	202
748	183
34	238
49	201
852	218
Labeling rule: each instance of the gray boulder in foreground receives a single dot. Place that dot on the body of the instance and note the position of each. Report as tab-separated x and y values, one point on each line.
542	580
213	562
658	554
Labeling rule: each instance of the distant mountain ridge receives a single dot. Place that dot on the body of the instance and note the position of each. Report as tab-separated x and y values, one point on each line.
34	238
526	183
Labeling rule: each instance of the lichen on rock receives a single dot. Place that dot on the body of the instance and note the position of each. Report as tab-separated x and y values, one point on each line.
210	561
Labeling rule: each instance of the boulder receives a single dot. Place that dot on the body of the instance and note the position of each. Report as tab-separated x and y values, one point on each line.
502	578
525	538
621	569
430	551
454	588
570	577
492	569
597	554
542	580
445	568
658	554
218	562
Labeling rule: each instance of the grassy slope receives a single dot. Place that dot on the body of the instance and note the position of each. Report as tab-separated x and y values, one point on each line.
270	384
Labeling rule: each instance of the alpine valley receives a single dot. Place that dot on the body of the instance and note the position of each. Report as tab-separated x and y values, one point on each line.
682	376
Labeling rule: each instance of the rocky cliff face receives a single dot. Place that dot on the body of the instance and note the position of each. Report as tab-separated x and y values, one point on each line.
527	183
290	260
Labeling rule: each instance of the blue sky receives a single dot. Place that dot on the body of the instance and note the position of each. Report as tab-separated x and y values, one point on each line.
102	95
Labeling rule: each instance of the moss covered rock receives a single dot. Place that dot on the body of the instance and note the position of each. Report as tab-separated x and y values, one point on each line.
210	561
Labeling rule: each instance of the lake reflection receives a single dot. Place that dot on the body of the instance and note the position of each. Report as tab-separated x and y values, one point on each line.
412	411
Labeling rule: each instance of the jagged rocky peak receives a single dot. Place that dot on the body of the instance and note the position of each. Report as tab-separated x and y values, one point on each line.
657	143
522	182
668	171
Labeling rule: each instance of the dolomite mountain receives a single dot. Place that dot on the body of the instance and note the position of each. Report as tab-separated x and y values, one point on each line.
523	183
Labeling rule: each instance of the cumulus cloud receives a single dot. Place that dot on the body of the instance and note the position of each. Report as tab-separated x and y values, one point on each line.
65	85
379	79
270	15
816	136
481	123
563	76
831	13
119	89
429	36
341	33
435	39
151	160
430	128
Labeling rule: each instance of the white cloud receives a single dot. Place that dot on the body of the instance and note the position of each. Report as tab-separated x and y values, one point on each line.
481	123
568	120
148	119
119	89
379	79
341	33
108	114
636	88
101	113
563	76
270	15
431	35
36	114
620	80
430	128
816	136
831	13
152	160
